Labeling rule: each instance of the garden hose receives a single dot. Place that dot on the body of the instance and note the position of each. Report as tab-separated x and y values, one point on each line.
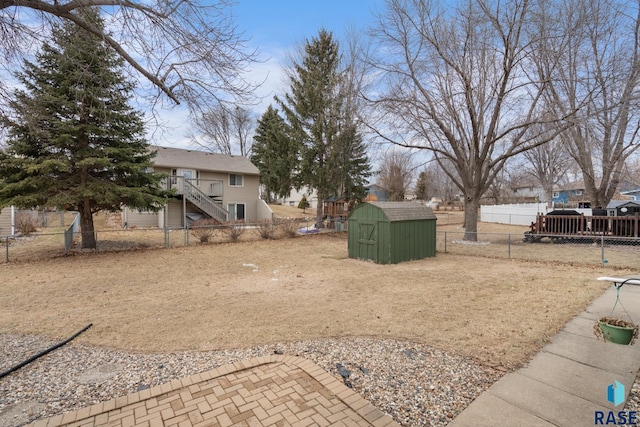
42	353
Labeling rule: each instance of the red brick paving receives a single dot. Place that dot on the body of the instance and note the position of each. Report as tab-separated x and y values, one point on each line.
273	390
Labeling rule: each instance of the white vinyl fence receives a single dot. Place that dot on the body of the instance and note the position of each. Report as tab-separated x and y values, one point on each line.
516	214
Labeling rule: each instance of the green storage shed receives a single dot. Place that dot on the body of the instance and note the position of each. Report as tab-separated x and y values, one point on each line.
392	232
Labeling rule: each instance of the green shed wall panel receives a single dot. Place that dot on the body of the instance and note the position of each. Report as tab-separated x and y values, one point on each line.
412	240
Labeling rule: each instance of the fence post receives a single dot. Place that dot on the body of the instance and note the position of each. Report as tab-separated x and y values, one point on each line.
166	237
6	239
509	245
445	242
604	261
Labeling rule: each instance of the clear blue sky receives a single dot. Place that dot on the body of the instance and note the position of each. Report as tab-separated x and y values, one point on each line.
275	28
285	23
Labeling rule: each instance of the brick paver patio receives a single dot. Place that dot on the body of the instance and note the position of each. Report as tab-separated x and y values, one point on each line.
275	390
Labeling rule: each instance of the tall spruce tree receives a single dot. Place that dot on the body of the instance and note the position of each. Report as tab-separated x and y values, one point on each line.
74	142
275	154
351	165
317	109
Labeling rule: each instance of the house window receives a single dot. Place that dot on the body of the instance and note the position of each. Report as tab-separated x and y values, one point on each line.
235	180
578	192
236	211
174	174
556	194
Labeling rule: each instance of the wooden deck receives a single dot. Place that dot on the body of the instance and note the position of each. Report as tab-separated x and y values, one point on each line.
583	225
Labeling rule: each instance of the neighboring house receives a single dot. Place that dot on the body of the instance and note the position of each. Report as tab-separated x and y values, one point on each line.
207	185
632	194
295	197
573	193
528	192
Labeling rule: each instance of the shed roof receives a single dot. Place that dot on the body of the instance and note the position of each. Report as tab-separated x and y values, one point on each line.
614	204
202	160
404	211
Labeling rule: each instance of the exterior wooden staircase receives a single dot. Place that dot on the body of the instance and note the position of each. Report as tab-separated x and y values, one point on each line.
204	202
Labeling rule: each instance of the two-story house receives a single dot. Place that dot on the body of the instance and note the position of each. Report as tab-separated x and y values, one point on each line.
573	193
206	185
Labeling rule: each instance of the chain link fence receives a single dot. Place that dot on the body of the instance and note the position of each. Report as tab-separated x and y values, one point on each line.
57	239
50	242
592	250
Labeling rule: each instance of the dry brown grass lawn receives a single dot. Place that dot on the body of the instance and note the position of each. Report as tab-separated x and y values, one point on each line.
242	294
284	211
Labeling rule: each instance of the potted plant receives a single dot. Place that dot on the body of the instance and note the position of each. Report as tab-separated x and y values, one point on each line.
616	330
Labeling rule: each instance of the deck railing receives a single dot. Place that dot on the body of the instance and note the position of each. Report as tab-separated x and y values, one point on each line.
210	187
583	225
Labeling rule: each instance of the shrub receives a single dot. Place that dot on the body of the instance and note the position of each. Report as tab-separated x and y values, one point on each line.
204	229
265	229
25	224
304	204
234	229
289	228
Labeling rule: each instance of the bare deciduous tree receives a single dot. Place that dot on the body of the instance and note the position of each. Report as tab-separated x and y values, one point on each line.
547	164
396	174
441	186
593	48
224	129
189	51
455	81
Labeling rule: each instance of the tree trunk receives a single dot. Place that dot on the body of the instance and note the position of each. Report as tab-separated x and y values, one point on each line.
471	219
548	193
319	211
87	233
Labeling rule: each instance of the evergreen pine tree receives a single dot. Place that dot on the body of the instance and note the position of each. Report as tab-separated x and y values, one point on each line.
331	151
352	168
274	153
421	186
303	204
74	142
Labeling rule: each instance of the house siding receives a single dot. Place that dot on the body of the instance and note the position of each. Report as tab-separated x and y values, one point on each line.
141	219
247	194
214	183
175	217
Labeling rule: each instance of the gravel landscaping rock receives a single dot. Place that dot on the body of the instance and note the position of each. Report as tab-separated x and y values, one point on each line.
416	384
